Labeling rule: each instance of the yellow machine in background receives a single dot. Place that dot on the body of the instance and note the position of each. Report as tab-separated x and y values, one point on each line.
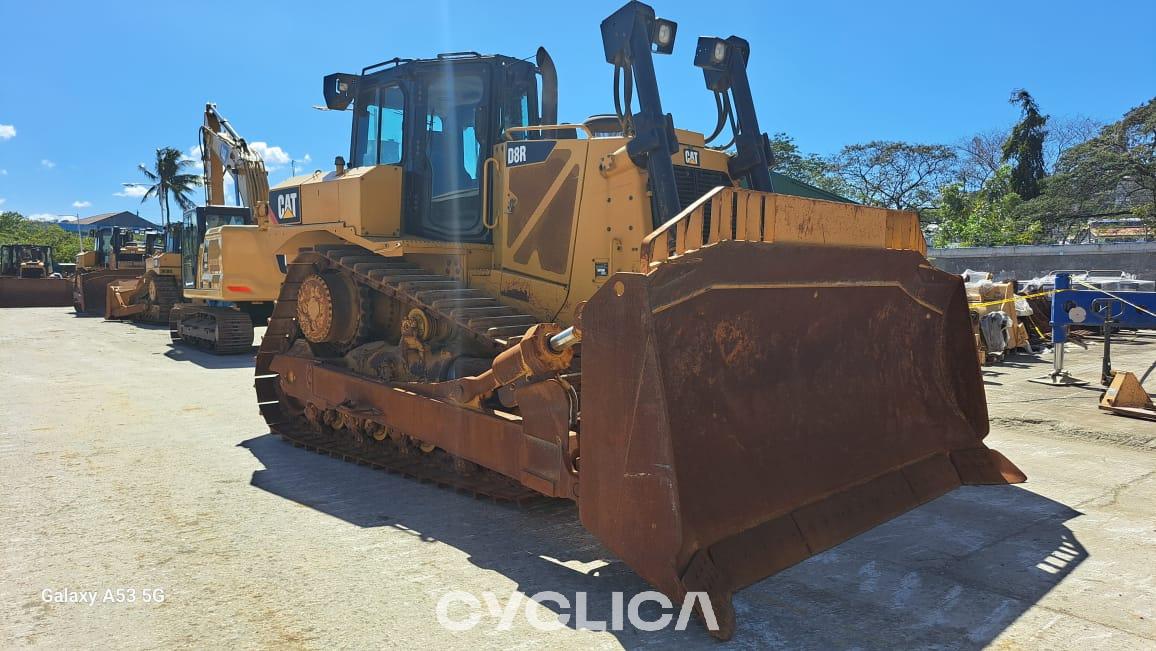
29	277
228	265
150	296
118	254
617	313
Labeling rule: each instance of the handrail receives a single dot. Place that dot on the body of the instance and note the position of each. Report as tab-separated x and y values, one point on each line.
548	127
486	207
681	219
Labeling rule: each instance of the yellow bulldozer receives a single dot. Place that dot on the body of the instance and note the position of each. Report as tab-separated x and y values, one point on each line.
29	277
118	254
150	296
725	379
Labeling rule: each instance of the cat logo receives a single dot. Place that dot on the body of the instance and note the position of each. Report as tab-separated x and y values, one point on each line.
690	156
285	206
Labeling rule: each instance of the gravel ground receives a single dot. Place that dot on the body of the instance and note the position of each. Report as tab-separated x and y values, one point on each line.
128	464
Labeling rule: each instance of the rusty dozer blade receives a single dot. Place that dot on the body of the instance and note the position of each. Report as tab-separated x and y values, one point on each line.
784	397
90	289
35	292
123	298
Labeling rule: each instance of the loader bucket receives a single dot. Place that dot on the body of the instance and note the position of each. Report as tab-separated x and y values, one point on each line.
35	292
784	397
90	289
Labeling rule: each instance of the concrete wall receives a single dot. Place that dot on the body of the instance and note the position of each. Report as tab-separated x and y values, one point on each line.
1024	262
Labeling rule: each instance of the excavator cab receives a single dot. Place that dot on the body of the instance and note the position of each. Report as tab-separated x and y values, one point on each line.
191	237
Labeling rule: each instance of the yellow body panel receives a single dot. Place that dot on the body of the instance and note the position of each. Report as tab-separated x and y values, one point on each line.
239	263
367	198
165	264
564	225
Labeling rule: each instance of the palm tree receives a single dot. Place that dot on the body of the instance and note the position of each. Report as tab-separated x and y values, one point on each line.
168	179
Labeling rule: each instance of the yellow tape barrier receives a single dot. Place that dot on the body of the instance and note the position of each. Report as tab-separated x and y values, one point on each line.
1013	298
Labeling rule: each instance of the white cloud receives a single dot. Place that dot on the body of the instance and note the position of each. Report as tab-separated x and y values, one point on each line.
194	156
132	190
81	204
2	200
273	156
47	164
3	172
45	217
7	131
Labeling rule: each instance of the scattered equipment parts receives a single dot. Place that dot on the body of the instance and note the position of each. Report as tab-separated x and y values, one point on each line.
1126	396
995	313
1097	308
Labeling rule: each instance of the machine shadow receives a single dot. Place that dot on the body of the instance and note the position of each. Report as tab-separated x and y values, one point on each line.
952	574
209	360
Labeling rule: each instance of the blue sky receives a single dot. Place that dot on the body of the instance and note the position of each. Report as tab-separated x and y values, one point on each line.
88	90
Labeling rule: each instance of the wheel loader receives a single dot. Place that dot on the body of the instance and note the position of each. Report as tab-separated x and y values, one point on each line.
149	297
229	269
29	277
725	379
117	254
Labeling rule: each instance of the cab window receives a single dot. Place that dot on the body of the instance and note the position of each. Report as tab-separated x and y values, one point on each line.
380	119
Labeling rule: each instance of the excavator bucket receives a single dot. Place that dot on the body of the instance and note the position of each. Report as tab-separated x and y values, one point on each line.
799	372
90	289
35	292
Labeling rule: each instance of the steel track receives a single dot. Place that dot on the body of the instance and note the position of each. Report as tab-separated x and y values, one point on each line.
480	317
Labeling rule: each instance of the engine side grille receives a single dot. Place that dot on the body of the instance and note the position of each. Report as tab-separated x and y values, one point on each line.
693	182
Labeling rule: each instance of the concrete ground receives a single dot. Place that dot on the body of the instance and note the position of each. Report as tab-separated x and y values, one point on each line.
126	463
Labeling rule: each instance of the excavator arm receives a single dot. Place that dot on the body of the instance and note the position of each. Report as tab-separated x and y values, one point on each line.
224	150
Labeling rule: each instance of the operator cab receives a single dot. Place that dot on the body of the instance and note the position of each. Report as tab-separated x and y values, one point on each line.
438	119
197	221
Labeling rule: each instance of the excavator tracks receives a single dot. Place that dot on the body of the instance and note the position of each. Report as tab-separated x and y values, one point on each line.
478	316
222	330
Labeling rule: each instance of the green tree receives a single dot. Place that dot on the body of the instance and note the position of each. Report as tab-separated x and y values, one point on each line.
1025	146
899	175
1113	174
170	181
808	168
18	229
986	217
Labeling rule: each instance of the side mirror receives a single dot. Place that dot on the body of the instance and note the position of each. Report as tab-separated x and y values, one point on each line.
339	89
